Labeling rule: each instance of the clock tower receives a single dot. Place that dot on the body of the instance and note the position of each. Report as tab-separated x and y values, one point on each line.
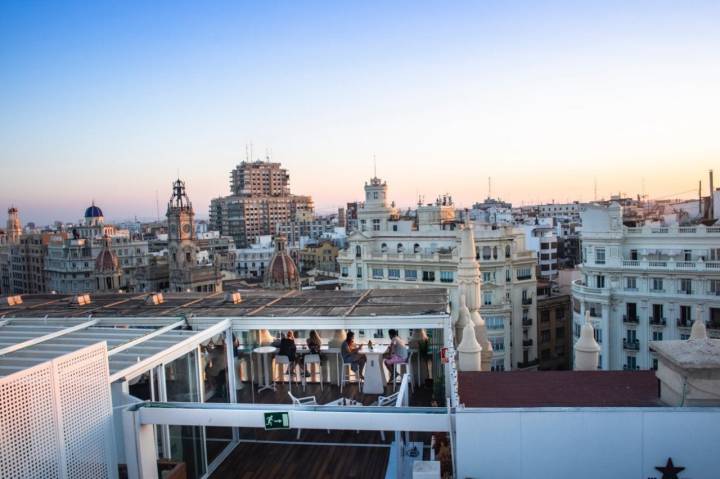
181	234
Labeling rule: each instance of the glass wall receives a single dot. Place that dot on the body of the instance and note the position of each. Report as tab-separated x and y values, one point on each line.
213	363
186	442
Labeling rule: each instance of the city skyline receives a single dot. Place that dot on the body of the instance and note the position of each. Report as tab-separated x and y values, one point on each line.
105	103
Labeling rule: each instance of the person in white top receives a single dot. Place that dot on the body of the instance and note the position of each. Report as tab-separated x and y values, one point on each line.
396	353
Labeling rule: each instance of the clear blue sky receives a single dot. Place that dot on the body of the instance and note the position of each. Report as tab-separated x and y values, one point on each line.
109	100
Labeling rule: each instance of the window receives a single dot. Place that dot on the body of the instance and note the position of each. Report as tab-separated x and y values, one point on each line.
383	248
507	251
400	248
488	276
394	227
428	275
715	254
631	362
657	284
657	336
344	271
394	274
633	254
544	246
657	314
495	252
358	252
362	224
498	365
715	287
487	298
560	333
684	336
377	273
416	248
486	252
598	335
498	343
631	283
631	336
686	286
495	322
599	255
524	273
544	337
600	280
359	271
410	275
545	316
508	274
655	364
687	255
446	276
376	225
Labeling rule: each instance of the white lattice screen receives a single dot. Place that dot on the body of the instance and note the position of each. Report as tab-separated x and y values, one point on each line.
56	419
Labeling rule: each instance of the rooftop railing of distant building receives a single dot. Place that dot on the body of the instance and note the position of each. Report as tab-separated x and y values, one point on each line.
674	229
698	265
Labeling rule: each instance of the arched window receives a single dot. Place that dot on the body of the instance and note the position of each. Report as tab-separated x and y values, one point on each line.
383	248
400	248
358	252
494	252
416	248
477	252
507	251
486	252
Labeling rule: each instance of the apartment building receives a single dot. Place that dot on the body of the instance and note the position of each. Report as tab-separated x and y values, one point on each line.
260	199
393	251
644	283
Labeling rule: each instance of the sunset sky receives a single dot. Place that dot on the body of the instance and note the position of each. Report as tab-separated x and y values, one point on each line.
110	100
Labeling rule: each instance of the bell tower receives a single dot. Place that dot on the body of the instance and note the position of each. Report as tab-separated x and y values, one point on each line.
181	232
14	229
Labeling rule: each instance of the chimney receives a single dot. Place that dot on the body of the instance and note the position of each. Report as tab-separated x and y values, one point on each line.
689	370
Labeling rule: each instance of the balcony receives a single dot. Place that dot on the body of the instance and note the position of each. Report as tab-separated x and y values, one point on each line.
630	368
527	301
527	343
527	364
631	345
684	323
658	321
527	322
630	319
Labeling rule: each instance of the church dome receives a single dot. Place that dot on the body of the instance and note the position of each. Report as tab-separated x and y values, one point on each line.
282	272
93	211
107	261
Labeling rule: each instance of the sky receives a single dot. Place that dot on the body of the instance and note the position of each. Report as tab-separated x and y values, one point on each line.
111	100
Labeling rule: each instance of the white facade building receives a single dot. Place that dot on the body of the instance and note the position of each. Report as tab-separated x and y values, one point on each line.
390	251
543	240
644	284
252	262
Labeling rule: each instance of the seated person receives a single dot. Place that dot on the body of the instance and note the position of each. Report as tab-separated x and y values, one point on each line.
397	352
351	354
288	348
314	342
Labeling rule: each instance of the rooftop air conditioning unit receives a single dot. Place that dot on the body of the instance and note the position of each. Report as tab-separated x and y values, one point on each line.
81	299
155	298
233	297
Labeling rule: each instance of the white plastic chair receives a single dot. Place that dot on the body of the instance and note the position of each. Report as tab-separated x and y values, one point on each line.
346	371
386	401
304	401
308	360
398	367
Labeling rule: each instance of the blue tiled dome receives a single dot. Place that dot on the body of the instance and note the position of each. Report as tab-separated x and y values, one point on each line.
93	212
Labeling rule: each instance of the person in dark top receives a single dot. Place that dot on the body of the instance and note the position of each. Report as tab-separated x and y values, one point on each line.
351	354
288	348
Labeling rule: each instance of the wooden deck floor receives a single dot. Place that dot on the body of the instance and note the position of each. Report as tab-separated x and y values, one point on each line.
360	455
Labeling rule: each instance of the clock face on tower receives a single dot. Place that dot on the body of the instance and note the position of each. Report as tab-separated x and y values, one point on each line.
186	228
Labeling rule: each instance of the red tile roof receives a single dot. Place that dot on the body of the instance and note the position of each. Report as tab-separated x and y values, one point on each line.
558	389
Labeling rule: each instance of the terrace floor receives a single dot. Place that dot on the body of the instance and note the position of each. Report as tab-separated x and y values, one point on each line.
317	454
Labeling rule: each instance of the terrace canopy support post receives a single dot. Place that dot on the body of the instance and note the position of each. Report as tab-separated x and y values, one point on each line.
139	446
231	383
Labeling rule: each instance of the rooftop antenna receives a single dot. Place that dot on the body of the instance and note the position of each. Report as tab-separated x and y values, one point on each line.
595	189
251	151
374	166
247	152
157	206
489	187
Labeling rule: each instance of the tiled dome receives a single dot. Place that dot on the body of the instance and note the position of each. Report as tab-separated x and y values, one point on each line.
282	272
107	261
93	211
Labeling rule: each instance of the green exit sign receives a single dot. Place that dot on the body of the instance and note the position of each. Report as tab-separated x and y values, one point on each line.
277	420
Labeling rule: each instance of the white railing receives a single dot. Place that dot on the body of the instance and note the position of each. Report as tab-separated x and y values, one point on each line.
579	287
673	229
670	265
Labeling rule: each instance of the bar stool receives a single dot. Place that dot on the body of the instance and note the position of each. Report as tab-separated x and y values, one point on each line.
284	362
398	367
345	373
312	359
